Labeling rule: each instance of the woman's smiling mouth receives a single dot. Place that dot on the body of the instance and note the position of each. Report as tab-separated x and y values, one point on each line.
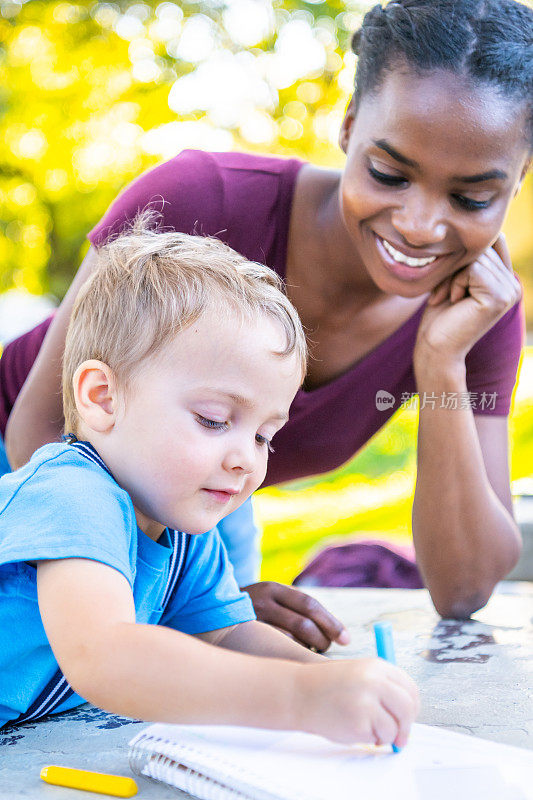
404	259
401	264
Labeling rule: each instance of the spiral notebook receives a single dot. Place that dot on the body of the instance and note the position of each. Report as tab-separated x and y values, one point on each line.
228	763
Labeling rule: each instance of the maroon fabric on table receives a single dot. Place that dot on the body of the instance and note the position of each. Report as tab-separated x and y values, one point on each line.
246	201
363	564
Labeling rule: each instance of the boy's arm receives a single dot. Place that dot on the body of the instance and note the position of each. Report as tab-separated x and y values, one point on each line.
149	671
259	639
156	673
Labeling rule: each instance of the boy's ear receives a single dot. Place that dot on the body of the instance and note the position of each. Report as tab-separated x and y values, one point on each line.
95	392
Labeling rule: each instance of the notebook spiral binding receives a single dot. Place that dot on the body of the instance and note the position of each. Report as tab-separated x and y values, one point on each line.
160	760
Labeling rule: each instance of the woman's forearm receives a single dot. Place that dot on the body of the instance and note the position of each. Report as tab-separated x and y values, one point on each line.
465	539
37	416
157	674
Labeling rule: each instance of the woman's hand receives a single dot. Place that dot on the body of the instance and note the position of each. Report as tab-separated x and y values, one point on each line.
296	614
466	305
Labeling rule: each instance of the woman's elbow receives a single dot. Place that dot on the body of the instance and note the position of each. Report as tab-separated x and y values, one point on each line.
461	599
461	605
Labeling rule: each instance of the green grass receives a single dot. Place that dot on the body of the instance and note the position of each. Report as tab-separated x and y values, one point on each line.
370	496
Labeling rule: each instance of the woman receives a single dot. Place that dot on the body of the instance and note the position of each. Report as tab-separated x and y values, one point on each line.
400	274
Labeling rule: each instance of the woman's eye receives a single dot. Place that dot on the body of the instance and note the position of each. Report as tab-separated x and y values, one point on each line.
383	177
212	423
264	442
470	205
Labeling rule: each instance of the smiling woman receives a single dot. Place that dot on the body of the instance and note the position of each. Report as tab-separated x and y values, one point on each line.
421	195
400	275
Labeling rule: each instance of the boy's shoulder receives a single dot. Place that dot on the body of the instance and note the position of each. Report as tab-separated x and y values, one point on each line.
61	495
63	505
63	470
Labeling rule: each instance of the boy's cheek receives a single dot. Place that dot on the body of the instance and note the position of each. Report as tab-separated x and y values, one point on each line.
252	485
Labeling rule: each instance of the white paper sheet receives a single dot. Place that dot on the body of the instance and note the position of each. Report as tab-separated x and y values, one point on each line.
436	765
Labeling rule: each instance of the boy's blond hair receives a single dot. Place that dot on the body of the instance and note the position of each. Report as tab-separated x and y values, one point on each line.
149	285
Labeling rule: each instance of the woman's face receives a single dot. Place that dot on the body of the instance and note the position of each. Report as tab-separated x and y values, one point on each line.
432	163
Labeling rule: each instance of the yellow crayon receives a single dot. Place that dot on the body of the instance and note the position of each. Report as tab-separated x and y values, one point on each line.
114	785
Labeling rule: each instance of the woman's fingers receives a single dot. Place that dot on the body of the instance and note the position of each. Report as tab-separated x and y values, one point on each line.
459	286
440	292
495	262
301	629
490	274
495	285
309	608
467	304
298	614
502	250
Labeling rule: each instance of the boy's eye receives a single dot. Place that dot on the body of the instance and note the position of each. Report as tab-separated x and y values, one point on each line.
212	423
383	177
470	205
264	442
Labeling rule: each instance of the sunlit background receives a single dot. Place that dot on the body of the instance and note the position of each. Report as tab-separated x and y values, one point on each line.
93	93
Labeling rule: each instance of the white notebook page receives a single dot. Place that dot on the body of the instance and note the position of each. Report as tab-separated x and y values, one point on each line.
436	765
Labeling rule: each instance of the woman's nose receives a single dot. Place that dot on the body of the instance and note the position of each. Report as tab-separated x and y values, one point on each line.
420	221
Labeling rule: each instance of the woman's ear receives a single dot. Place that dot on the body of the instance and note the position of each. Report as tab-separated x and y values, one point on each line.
95	392
527	166
346	127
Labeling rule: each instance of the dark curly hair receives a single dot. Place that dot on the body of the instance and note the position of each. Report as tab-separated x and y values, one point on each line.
490	41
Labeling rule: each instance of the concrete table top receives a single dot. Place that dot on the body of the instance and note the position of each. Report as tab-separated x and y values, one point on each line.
475	677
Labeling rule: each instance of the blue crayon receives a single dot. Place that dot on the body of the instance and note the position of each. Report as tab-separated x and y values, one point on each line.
385	649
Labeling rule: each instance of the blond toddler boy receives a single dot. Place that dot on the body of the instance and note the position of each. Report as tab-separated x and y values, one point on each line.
181	363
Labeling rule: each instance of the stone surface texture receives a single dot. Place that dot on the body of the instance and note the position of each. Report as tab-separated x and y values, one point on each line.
475	677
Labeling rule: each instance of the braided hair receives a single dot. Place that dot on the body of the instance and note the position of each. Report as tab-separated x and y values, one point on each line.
490	41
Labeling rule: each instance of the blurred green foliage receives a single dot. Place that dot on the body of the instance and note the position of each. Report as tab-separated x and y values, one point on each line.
371	496
92	93
85	84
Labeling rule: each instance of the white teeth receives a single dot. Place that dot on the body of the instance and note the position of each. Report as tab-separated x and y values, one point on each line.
403	259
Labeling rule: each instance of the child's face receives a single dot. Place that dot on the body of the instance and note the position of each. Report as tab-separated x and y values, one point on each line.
191	443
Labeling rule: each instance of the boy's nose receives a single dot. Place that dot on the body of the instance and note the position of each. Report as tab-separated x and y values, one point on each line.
241	457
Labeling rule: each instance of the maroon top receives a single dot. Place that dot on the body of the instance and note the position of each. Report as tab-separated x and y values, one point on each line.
245	200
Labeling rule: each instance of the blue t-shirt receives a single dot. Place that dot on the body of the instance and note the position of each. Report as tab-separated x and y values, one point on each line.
62	505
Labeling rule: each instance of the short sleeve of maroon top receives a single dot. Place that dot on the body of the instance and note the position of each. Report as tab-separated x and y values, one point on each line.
242	199
245	200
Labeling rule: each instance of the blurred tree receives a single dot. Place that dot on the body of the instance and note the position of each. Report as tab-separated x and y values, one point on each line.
95	92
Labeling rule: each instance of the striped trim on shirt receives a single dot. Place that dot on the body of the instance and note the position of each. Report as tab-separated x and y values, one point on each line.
57	690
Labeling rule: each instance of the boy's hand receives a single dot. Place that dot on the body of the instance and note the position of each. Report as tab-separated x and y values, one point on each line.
296	614
365	700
